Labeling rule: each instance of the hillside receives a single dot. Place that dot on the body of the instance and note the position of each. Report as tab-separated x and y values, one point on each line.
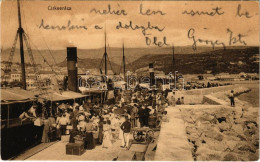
91	64
114	54
230	60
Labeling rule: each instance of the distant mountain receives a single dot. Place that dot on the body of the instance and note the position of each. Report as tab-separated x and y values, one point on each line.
114	54
233	59
230	61
92	64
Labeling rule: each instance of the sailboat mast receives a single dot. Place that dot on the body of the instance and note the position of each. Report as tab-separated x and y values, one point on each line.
105	54
124	62
20	32
173	59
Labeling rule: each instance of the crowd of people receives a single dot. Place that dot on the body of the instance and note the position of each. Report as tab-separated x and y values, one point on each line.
199	85
95	123
101	124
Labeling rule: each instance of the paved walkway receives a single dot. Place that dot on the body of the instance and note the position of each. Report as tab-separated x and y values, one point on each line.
58	152
32	151
151	150
173	144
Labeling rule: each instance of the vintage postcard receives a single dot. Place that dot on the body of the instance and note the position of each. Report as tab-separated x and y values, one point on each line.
129	80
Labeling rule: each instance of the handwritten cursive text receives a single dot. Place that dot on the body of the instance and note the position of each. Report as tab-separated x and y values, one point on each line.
130	25
149	12
68	26
110	11
240	13
213	43
215	11
236	40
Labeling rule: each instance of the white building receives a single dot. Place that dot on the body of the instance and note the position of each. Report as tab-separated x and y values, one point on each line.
30	82
15	77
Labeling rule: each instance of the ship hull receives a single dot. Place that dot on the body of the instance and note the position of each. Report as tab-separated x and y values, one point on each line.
17	139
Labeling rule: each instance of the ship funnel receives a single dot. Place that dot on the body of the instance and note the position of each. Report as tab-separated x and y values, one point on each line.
72	69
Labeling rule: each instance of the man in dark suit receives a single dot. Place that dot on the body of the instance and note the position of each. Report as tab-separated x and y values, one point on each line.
126	128
146	116
141	114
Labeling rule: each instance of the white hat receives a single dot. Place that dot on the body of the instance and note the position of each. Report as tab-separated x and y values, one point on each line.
81	108
81	117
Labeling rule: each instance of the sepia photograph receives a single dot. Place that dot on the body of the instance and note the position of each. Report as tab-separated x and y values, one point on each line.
123	80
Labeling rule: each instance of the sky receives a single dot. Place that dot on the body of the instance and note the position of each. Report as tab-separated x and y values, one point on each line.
176	25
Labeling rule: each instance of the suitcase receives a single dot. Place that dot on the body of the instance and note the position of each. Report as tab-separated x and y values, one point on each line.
75	148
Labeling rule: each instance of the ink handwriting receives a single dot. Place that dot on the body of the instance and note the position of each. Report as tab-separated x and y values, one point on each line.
155	41
149	12
110	11
68	26
240	13
144	29
213	43
234	40
215	11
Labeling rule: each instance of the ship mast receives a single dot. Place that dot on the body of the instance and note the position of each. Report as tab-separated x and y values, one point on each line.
124	61
173	59
105	54
20	32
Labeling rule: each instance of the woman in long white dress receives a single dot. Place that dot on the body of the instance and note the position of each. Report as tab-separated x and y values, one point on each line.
95	129
46	130
107	135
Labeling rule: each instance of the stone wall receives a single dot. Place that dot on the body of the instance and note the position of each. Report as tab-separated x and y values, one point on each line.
196	96
224	95
212	100
222	133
